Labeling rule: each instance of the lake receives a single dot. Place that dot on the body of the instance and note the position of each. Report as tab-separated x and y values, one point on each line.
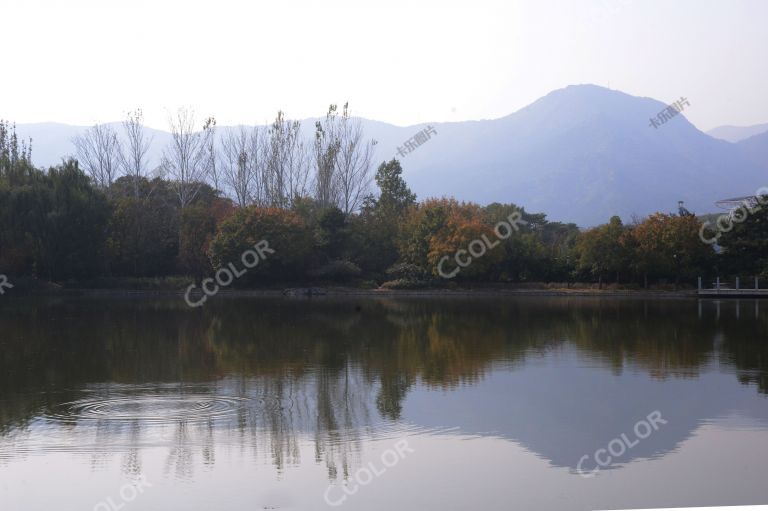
547	403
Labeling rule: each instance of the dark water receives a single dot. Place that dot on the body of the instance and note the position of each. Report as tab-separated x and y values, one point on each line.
421	404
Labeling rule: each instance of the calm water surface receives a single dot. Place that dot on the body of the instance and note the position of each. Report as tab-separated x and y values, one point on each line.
482	404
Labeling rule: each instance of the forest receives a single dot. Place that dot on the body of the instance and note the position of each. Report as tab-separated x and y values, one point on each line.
331	214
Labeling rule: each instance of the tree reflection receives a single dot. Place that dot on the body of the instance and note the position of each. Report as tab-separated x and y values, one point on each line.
333	371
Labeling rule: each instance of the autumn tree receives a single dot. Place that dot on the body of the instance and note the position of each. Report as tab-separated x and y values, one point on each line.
284	231
600	252
197	228
442	227
667	246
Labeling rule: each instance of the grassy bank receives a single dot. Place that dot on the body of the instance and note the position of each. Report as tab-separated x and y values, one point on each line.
179	284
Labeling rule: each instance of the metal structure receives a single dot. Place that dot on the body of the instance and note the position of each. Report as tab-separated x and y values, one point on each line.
750	201
722	289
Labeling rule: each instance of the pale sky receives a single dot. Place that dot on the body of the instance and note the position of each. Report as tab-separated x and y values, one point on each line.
403	62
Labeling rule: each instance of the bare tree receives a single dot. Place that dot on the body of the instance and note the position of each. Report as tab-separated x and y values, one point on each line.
240	162
286	163
134	157
186	160
342	161
209	130
326	148
353	163
298	165
99	152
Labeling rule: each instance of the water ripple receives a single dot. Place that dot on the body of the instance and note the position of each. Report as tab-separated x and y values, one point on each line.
160	408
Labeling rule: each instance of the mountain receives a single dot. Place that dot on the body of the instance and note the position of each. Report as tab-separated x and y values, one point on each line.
52	142
756	149
580	154
737	133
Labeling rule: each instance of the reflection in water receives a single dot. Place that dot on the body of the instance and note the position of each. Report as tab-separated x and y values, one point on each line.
560	376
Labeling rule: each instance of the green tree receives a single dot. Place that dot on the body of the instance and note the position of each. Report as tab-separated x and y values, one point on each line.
745	246
143	231
196	229
374	232
395	197
331	234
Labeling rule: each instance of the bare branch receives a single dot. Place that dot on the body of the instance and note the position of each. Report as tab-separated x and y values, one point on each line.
353	163
240	162
185	159
134	158
100	153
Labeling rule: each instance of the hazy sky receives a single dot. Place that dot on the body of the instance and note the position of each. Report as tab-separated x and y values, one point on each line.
403	62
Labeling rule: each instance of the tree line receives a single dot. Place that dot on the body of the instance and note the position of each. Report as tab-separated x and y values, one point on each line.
106	214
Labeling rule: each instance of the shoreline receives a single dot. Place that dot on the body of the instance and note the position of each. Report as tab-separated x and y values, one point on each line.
336	292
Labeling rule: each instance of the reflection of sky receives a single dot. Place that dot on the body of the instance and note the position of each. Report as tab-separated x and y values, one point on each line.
509	436
514	436
562	410
715	466
560	407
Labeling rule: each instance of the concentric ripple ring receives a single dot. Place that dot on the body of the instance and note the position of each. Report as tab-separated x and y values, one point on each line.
150	408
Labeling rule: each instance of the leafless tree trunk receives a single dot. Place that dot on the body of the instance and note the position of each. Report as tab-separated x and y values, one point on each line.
240	162
185	159
99	153
298	165
209	129
342	161
286	166
326	148
134	158
353	163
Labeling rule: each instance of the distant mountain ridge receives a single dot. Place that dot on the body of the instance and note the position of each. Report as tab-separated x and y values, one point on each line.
579	154
737	133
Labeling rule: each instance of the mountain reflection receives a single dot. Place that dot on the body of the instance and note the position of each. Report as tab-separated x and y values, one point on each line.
113	377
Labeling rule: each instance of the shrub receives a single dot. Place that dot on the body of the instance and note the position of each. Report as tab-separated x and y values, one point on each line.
406	283
338	270
285	232
406	271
